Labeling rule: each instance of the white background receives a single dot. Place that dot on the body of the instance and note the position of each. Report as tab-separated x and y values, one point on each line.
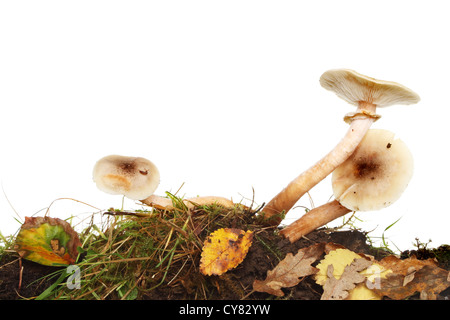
223	96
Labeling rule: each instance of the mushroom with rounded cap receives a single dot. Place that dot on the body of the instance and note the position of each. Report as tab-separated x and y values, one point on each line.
134	177
372	178
137	178
367	94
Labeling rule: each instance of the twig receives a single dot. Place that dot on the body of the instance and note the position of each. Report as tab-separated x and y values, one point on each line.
20	274
113	212
11	262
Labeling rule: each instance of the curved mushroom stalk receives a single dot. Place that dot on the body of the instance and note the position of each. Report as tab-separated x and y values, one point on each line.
367	94
373	178
190	203
137	178
297	188
314	219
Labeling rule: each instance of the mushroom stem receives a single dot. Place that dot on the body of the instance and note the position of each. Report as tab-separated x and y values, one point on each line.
361	121
166	204
314	219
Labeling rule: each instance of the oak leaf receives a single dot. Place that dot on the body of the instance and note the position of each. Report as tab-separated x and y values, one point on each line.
340	257
412	275
338	289
224	249
289	271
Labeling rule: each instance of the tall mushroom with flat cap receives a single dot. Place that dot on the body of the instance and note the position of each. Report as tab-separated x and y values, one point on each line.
137	178
367	94
372	178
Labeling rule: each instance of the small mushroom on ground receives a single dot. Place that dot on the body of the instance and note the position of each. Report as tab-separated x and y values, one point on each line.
137	178
134	177
373	178
367	94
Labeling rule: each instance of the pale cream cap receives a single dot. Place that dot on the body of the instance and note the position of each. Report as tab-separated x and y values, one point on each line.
375	175
134	177
354	88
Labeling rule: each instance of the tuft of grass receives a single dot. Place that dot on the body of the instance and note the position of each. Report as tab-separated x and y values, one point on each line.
6	243
140	253
385	246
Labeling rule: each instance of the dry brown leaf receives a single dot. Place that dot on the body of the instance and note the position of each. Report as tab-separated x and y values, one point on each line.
405	266
340	257
337	289
289	271
224	249
410	276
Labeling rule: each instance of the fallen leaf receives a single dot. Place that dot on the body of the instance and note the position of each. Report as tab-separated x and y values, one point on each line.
338	289
47	241
340	257
405	266
224	249
289	271
412	275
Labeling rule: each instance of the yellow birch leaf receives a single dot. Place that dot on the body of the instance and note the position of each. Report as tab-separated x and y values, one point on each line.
224	249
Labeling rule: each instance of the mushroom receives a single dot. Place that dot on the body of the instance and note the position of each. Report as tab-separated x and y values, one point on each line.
367	94
372	178
137	178
134	177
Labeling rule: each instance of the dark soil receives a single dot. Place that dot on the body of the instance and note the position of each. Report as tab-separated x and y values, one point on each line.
34	279
267	250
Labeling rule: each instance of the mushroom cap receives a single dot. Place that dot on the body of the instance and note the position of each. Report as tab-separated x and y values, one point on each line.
134	177
354	88
375	175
